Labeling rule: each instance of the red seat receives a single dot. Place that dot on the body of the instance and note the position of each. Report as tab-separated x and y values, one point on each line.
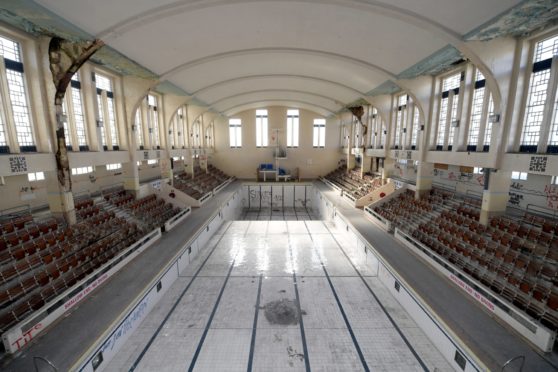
12	239
23	236
47	293
18	254
34	231
21	310
552	301
42	278
36	302
7	320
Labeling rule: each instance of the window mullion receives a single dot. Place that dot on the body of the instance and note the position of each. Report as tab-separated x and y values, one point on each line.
11	134
548	112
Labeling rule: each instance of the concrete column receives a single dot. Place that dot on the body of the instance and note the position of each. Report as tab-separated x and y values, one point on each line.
425	175
495	195
131	176
366	164
60	202
388	169
166	170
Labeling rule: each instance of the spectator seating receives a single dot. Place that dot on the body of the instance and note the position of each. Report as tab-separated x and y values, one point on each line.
352	183
150	211
40	259
517	258
202	183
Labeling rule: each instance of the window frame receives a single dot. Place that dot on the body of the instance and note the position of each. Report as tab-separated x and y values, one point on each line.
451	112
262	128
8	109
105	100
293	128
321	133
549	108
235	130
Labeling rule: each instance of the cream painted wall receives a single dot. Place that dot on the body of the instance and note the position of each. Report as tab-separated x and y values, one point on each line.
243	162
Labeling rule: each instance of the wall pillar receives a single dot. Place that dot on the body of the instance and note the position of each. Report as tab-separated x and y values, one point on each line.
388	168
495	195
366	165
60	202
425	176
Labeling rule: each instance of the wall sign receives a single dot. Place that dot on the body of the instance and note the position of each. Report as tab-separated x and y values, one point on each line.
18	164
538	164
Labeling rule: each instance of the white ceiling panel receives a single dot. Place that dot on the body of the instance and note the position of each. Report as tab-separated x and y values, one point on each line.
346	72
241	99
357	43
282	103
334	29
301	84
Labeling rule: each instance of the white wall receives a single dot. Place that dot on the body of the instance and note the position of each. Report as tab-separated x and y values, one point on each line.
243	162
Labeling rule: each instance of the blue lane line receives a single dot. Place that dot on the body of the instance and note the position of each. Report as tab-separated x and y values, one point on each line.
302	334
347	323
411	348
144	351
301	322
254	327
198	350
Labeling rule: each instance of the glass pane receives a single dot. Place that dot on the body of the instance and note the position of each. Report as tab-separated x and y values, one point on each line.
78	117
20	108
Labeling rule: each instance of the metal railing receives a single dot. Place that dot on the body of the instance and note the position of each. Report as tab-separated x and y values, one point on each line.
519	357
44	360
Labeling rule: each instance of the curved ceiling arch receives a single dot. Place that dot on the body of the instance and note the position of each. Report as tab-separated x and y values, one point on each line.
243	52
262	76
371	6
276	102
240	99
377	7
240	94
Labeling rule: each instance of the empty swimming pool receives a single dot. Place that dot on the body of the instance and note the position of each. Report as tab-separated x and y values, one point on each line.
276	296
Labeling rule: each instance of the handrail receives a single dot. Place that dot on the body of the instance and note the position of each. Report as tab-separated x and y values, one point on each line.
35	358
522	357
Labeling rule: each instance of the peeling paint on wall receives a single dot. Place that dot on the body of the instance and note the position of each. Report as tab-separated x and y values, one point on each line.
523	19
437	63
387	87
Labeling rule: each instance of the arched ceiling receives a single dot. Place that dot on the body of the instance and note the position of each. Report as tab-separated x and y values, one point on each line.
314	54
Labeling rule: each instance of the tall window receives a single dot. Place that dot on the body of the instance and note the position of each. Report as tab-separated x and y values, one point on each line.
377	132
448	111
181	128
78	116
196	134
209	136
292	128
261	128
74	127
319	133
400	112
106	112
540	126
480	129
154	121
415	128
235	132
138	122
16	128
